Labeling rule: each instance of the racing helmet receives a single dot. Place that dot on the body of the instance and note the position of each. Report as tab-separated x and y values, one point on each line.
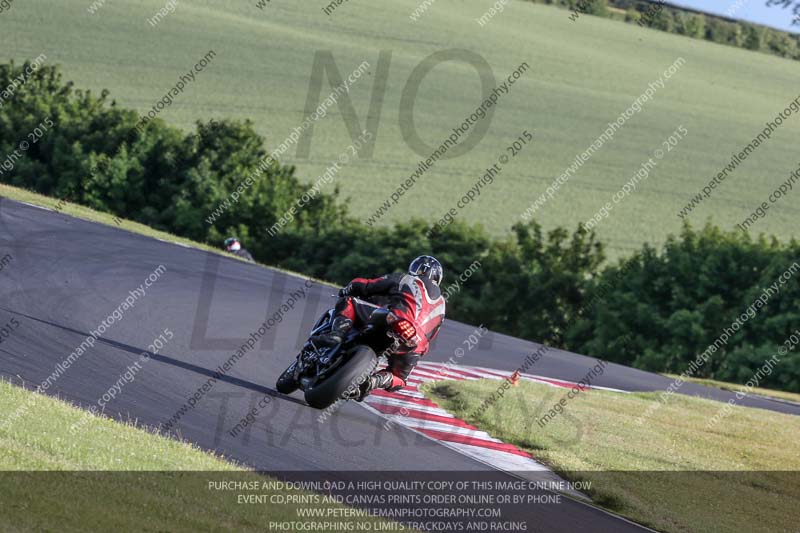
232	244
427	266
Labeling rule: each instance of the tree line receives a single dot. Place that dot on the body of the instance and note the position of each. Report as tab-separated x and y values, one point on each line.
674	19
668	302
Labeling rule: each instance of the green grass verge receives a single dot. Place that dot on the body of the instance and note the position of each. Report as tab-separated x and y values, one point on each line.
86	213
131	479
41	439
670	472
734	387
582	76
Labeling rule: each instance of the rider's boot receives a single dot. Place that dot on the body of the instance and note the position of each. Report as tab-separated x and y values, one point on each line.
378	380
341	325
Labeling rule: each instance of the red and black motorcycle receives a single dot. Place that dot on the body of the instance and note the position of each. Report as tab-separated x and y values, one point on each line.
328	374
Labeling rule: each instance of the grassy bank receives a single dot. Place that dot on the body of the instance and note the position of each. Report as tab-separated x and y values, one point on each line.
734	387
670	472
130	479
85	213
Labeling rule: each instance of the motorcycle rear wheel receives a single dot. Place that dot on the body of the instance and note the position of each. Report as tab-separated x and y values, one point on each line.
326	392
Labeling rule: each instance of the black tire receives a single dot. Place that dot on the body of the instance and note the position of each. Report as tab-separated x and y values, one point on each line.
327	392
286	383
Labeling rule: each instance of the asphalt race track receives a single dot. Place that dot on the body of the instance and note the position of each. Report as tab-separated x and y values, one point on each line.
67	275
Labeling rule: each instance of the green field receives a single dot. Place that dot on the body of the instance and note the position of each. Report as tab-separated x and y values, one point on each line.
582	75
670	472
105	475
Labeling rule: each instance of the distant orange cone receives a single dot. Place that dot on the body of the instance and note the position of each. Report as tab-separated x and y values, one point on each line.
514	379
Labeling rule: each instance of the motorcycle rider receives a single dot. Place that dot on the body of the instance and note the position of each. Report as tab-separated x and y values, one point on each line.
233	246
414	296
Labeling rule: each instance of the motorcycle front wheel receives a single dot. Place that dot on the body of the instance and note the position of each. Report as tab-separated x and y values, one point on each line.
286	383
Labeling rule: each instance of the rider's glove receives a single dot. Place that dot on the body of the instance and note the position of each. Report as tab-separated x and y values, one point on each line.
345	291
